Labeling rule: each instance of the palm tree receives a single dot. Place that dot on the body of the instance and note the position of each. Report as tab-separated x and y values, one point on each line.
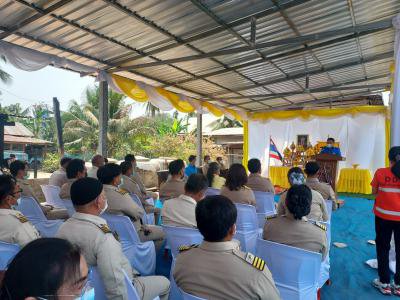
81	122
225	122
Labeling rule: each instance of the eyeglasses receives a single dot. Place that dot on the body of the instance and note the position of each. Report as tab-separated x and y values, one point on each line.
17	192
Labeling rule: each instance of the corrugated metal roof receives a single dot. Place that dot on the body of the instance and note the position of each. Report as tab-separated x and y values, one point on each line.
112	34
18	130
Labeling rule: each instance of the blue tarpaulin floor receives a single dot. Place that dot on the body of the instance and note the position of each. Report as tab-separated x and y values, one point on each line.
351	278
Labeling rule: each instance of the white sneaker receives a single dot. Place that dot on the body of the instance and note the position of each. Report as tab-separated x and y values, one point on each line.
384	288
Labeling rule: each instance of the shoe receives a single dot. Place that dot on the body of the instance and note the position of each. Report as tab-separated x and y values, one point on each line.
384	288
396	289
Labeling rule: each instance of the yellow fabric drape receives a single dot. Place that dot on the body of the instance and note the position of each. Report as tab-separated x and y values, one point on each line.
130	88
306	114
174	99
278	176
354	181
245	143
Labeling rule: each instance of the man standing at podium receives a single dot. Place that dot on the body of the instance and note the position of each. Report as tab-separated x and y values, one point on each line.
330	148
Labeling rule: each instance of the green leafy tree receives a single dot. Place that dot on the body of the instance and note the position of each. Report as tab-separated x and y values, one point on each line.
4	76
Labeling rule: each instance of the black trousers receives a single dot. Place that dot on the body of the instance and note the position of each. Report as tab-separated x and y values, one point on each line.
384	229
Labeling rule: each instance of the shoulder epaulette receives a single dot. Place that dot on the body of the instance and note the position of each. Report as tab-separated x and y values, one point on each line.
271	217
21	218
122	191
320	225
187	247
255	261
105	228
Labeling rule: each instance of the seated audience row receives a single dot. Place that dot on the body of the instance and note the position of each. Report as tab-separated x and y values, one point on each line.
59	177
174	186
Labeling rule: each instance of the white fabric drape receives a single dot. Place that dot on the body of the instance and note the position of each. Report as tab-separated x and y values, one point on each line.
395	124
361	137
32	60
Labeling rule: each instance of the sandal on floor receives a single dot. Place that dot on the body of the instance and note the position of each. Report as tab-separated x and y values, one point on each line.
384	288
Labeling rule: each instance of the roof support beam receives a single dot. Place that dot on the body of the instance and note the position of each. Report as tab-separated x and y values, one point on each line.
331	67
34	18
219	29
287	41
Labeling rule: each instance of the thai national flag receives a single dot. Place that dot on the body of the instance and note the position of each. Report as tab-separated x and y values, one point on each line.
273	151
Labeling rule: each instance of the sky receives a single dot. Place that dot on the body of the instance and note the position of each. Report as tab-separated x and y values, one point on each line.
30	88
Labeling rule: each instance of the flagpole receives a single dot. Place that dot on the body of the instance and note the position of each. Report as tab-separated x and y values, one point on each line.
269	153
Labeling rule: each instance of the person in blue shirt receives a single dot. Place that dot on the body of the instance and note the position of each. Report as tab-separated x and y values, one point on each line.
191	168
330	148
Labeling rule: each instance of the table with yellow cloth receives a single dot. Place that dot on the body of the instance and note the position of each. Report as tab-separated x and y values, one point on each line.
278	176
356	181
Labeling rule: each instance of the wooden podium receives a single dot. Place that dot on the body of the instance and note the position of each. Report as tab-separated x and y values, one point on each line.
328	164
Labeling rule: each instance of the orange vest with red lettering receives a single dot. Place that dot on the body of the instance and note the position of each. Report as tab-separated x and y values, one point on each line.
387	202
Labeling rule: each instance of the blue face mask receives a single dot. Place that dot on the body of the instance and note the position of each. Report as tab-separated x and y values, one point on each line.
87	295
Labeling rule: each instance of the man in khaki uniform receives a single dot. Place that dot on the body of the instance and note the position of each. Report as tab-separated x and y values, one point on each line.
120	202
256	182
293	228
14	226
97	162
318	210
180	211
217	269
174	186
76	169
129	185
323	188
59	177
137	179
206	162
19	170
101	248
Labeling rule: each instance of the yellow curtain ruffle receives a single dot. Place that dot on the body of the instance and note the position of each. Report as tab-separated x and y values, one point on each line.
245	143
130	88
354	181
174	99
306	114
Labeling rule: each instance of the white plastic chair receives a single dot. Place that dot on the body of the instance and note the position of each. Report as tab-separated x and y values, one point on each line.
178	236
32	210
247	228
265	203
142	255
187	296
147	218
295	271
329	205
326	263
212	191
52	196
7	253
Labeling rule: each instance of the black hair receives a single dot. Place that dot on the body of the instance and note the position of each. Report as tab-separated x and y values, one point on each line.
215	215
330	140
96	157
236	177
206	157
130	158
294	170
12	155
16	166
298	201
41	268
108	172
219	158
254	165
7	185
311	168
175	167
394	156
196	183
180	163
65	160
125	167
75	166
212	169
192	158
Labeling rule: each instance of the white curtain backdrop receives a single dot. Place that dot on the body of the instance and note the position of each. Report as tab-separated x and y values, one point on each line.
361	138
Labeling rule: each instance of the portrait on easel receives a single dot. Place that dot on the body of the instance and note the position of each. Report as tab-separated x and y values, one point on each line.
302	140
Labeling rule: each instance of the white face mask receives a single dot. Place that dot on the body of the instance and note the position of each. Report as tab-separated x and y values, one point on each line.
88	295
329	146
104	209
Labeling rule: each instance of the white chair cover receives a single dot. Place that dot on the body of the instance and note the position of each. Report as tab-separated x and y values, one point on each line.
261	217
329	205
52	196
295	271
186	296
265	203
142	255
326	264
32	210
99	290
178	236
212	192
247	228
7	253
147	218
